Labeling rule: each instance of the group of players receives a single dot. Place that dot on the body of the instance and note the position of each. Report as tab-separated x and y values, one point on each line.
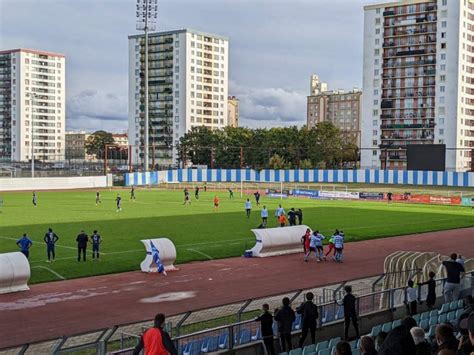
313	242
51	238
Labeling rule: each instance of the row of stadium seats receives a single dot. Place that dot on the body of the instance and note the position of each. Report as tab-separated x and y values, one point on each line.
448	312
427	320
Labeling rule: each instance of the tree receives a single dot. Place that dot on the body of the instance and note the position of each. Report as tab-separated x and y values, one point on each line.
96	142
277	162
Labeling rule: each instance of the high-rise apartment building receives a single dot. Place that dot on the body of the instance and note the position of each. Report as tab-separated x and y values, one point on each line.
188	83
418	81
233	111
340	107
32	105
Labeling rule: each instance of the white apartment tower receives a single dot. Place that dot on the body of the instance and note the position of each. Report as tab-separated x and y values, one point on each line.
188	84
418	81
32	105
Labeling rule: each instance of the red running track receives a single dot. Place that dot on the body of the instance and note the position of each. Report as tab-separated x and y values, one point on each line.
51	310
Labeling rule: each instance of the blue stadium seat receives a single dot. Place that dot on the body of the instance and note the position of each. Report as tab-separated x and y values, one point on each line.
433	321
245	336
387	327
275	328
451	316
442	318
339	313
460	304
324	352
453	306
297	351
353	344
424	324
309	349
297	322
322	345
376	330
425	315
192	348
396	323
431	334
355	352
257	335
458	313
434	313
444	308
417	317
223	340
333	342
284	353
210	344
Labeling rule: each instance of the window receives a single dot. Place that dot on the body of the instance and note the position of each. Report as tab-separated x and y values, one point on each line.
441	121
443	45
375	123
374	132
375	113
441	132
376	72
374	152
443	24
442	78
377	21
374	142
443	67
377	41
442	88
377	11
444	2
443	56
377	52
377	31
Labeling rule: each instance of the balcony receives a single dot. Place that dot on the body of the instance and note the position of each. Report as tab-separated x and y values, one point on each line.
387	104
408	126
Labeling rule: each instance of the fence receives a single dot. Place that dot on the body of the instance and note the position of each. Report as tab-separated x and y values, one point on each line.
232	325
396	177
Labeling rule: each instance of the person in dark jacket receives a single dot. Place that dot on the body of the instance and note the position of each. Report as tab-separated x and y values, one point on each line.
367	346
399	340
343	348
431	297
309	316
155	340
285	317
266	323
350	312
299	215
447	344
81	240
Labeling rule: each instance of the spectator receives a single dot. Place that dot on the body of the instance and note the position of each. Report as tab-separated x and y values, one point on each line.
468	308
470	328
445	339
266	326
350	312
285	318
155	340
422	346
452	285
367	346
431	297
343	348
309	315
380	340
399	340
466	347
411	298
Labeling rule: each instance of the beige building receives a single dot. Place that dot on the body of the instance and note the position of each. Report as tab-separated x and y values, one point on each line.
121	139
233	111
76	145
342	108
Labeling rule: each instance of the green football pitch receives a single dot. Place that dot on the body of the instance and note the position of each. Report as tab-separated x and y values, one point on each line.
198	232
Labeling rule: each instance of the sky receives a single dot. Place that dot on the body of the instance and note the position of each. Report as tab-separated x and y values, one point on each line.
274	47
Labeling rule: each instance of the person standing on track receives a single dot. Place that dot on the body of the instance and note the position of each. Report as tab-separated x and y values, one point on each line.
34	199
118	201
264	215
50	238
132	194
216	203
97	198
25	244
81	240
319	246
312	247
331	244
339	246
96	240
305	240
248	208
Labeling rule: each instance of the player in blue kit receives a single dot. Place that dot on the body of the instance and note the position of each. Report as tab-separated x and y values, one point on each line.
50	238
96	240
25	244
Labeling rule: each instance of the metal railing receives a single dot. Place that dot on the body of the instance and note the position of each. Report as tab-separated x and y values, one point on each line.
232	325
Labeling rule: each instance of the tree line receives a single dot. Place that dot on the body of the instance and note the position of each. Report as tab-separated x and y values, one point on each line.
323	146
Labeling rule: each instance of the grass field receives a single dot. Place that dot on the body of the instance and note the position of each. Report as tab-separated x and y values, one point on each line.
198	232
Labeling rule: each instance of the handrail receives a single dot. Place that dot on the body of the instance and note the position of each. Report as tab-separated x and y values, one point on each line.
215	329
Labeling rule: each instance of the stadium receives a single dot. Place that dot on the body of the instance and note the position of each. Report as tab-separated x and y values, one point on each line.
221	266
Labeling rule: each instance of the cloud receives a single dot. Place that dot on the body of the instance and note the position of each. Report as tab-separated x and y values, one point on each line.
91	110
270	106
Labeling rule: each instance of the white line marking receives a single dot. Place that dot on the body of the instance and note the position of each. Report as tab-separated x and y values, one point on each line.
200	252
59	246
52	271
